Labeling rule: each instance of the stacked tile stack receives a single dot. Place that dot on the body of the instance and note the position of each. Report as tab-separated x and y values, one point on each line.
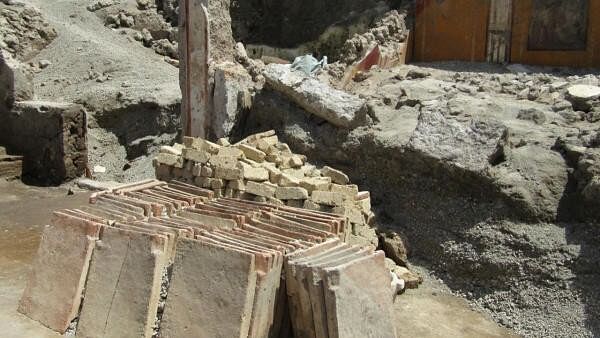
168	259
331	282
262	169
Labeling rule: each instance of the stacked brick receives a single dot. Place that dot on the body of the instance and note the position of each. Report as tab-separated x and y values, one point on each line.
169	259
263	169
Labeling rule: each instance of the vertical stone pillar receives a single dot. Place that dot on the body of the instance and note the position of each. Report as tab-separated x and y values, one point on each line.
194	28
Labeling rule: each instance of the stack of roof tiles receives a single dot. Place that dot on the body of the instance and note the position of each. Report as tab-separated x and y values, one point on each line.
263	169
169	259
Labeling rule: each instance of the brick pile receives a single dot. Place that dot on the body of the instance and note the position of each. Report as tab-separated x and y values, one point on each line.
170	259
263	169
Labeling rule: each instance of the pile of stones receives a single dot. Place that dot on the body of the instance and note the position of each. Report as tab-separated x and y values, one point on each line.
263	169
154	259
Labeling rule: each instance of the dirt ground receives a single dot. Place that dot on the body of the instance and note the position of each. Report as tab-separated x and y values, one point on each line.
25	209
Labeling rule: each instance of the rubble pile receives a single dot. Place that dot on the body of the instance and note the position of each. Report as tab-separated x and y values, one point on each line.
263	169
164	259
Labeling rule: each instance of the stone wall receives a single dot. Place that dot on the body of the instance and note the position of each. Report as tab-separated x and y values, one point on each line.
50	136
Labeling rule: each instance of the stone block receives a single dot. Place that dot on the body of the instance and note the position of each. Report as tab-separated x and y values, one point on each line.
264	143
170	160
229	173
201	144
295	203
337	176
50	136
211	293
252	153
237	185
173	150
349	190
256	174
352	211
327	198
261	189
198	156
231	152
123	285
291	193
206	171
229	162
337	107
316	183
53	292
286	180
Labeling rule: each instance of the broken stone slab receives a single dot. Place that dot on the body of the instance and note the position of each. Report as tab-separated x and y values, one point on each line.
261	189
53	292
252	153
211	292
123	284
337	176
473	147
256	174
291	193
337	107
358	292
328	198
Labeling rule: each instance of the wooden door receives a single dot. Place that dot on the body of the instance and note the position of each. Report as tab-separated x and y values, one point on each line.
451	30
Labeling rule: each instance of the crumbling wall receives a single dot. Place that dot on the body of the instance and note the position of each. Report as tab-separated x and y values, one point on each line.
321	27
50	136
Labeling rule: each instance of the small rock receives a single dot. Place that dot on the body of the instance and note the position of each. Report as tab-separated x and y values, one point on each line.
417	74
99	169
143	4
518	68
393	246
593	116
532	114
571	116
44	63
562	105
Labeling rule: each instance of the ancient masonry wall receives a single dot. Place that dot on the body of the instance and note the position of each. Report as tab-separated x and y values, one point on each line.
50	136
